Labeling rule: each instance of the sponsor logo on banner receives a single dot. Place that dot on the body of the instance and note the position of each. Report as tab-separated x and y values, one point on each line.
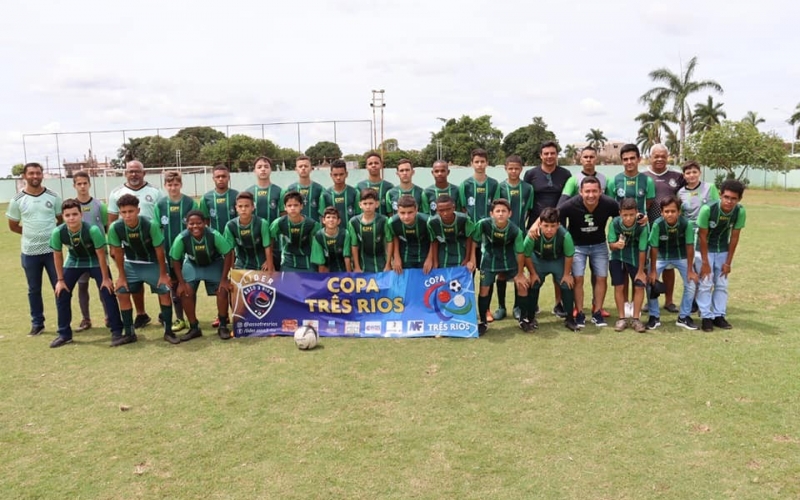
445	298
416	326
289	325
372	327
258	298
352	327
394	327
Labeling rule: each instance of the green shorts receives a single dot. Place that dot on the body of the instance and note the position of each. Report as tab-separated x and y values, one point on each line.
547	267
138	274
488	277
210	274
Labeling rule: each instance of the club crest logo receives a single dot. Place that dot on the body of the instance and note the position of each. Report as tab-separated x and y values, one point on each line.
259	299
446	299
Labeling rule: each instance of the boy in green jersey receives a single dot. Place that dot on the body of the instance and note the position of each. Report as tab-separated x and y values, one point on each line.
86	254
219	204
340	196
330	249
411	240
267	198
201	253
370	240
441	186
503	254
374	166
137	248
248	234
310	191
520	195
627	240
719	226
671	246
405	172
551	253
170	212
451	236
631	183
295	232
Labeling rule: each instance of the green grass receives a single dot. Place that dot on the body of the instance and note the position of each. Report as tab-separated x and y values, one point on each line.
671	414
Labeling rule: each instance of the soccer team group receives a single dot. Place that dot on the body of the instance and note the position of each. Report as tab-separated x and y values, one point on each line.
520	230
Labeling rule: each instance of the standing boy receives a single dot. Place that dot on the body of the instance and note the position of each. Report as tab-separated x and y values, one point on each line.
370	239
308	189
201	253
171	212
719	226
503	254
295	232
451	236
630	183
375	180
95	213
248	234
695	193
137	248
340	196
627	240
411	240
440	171
219	204
405	172
86	254
331	249
267	198
588	169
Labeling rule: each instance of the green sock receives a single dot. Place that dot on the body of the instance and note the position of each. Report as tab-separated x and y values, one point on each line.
568	299
523	306
483	306
501	294
166	315
127	321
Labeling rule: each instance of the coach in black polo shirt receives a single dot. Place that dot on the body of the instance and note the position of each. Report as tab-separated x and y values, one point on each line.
548	181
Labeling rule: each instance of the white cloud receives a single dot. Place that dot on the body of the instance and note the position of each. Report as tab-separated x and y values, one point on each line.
593	107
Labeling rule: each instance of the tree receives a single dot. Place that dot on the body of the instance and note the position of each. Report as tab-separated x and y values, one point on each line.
738	144
17	169
526	141
459	137
795	119
324	151
391	145
285	158
753	119
596	138
570	153
204	135
707	115
677	89
654	125
237	152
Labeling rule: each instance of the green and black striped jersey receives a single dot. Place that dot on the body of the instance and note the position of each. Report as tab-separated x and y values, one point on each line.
249	241
451	238
640	187
414	239
370	238
432	193
219	208
172	217
636	239
295	241
268	201
396	192
500	246
311	197
330	250
137	242
345	202
671	241
720	224
521	199
209	248
557	247
381	188
82	245
476	197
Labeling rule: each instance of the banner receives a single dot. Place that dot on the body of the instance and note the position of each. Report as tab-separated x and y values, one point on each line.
411	304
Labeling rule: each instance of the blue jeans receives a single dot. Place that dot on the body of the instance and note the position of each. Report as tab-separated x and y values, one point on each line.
34	265
598	260
712	292
64	301
689	287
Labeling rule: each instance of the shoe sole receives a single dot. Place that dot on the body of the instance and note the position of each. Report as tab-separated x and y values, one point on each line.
648	327
683	325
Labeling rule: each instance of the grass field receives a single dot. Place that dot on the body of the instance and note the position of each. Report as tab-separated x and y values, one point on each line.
555	414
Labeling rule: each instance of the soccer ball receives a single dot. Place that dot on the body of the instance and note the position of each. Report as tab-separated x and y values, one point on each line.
305	337
455	286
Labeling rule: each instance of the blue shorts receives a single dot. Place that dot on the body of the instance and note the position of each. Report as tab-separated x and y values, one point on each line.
598	260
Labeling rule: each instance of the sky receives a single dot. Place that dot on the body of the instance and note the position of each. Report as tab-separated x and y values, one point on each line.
90	65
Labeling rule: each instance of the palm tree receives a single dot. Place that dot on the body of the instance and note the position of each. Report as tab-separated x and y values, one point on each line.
653	122
570	152
596	138
753	119
677	89
707	115
795	119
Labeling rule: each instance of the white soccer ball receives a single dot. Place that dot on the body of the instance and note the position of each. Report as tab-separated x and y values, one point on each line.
459	301
305	337
455	286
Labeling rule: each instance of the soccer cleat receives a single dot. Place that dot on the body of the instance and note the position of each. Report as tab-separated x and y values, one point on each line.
534	323
580	320
598	319
620	325
224	332
123	339
85	325
559	311
141	320
160	319
36	330
708	325
499	313
482	328
193	333
172	338
686	322
571	324
517	313
178	325
489	317
59	341
638	325
721	322
525	325
672	308
653	323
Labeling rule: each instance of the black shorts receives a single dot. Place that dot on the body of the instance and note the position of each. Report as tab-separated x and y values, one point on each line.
620	271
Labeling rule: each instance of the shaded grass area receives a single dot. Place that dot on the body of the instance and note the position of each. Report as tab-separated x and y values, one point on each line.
672	414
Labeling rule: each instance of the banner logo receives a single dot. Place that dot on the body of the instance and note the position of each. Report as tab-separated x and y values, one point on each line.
258	298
